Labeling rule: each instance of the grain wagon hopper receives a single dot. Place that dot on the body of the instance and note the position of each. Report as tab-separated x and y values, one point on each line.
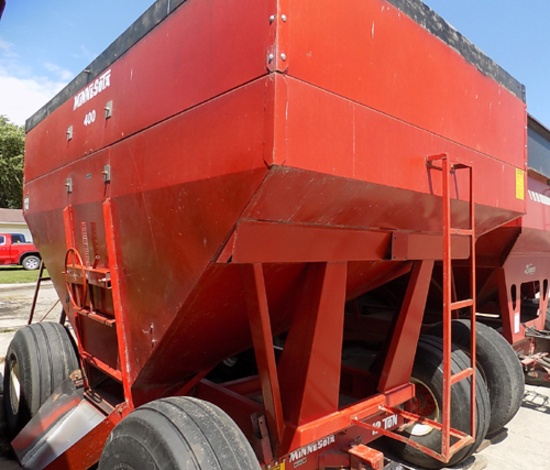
514	267
210	196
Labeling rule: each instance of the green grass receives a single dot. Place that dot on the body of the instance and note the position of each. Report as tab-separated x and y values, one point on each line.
17	275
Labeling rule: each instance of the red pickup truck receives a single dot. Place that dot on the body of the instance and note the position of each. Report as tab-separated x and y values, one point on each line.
15	249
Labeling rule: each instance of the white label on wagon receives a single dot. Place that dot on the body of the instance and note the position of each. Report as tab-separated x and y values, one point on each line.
100	84
530	269
538	197
311	448
516	323
388	423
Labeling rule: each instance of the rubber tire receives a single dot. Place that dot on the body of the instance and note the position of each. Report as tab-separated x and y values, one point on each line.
41	356
177	433
428	368
35	259
499	366
547	319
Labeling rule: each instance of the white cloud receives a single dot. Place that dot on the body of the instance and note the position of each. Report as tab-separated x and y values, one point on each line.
20	97
7	49
23	91
63	74
85	54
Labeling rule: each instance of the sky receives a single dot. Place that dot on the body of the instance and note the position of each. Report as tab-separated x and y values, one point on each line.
515	34
45	43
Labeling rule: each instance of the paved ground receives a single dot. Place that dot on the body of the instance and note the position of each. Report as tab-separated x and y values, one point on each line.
15	305
524	444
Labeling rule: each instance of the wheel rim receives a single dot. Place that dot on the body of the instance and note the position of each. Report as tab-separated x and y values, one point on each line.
231	361
423	404
31	263
75	280
15	386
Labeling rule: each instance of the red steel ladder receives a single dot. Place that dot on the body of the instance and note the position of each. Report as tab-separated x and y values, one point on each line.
451	305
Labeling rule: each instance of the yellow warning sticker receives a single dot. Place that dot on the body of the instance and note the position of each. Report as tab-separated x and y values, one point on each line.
280	466
520	184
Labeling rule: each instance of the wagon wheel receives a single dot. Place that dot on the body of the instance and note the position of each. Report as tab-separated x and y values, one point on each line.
499	366
178	433
428	377
75	279
40	357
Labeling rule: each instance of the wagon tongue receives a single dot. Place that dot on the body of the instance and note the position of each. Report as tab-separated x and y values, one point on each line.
60	423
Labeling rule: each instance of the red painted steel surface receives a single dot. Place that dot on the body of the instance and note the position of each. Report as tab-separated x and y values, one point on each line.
376	56
536	222
399	362
530	234
515	255
262	335
342	138
373	457
153	80
216	157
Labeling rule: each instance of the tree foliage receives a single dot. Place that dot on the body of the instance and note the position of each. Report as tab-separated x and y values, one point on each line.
12	144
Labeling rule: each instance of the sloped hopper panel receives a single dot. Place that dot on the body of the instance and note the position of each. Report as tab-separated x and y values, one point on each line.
322	120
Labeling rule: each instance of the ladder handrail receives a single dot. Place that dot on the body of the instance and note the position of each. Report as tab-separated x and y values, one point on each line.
447	168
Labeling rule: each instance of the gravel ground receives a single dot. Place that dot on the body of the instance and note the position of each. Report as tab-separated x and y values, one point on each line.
523	444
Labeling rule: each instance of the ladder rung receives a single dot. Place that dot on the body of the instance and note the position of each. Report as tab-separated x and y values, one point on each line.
465	441
463	374
104	320
437	157
102	366
462	231
410	420
462	304
460	166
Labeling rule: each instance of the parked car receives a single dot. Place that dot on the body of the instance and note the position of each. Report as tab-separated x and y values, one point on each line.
15	249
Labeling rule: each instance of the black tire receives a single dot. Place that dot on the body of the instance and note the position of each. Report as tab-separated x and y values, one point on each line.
31	262
428	376
39	358
547	319
177	433
499	366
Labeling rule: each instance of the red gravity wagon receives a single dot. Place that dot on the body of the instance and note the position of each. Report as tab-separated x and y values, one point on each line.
213	193
513	267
